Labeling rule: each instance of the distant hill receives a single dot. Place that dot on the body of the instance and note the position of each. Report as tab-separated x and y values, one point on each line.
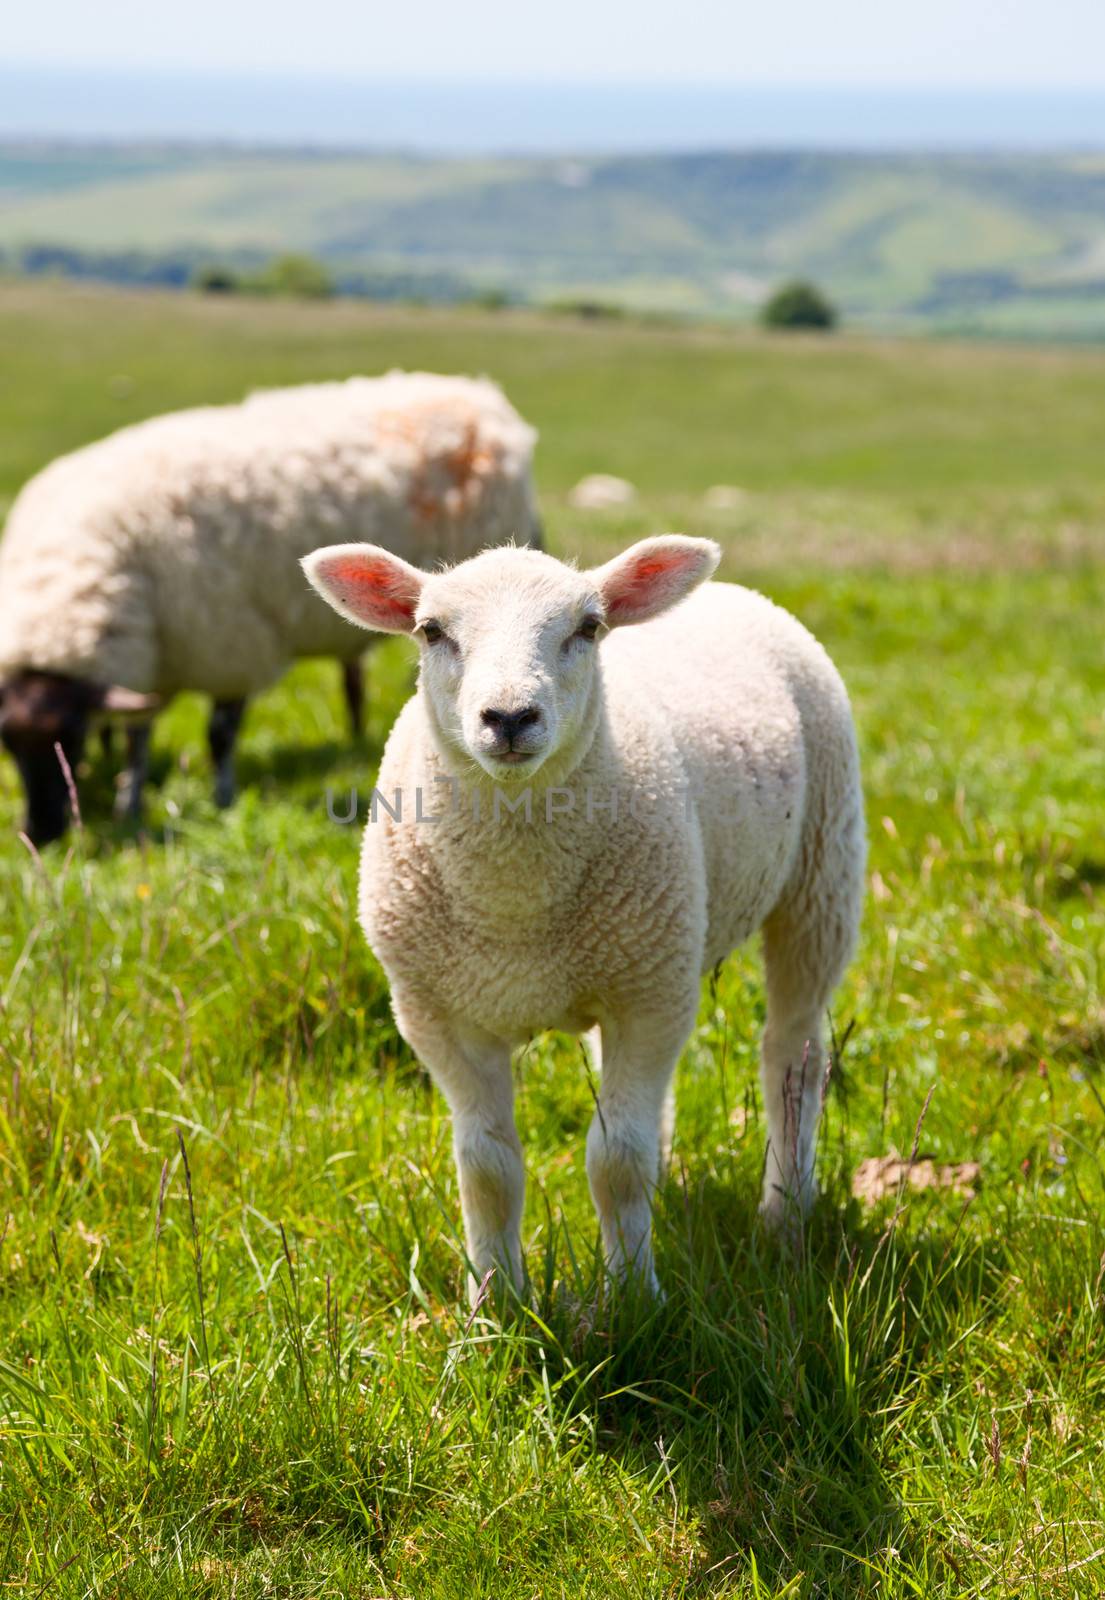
1004	243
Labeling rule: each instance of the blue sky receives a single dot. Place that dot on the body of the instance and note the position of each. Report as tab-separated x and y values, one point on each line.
1023	43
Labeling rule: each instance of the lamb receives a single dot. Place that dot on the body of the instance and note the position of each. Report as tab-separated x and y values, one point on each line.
165	557
603	784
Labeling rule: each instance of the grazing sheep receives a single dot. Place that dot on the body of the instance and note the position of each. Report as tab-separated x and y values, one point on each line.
616	814
165	557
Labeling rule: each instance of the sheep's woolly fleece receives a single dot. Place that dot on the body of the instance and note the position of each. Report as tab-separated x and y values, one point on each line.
166	556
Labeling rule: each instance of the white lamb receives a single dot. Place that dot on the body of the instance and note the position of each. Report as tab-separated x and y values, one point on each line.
166	557
689	780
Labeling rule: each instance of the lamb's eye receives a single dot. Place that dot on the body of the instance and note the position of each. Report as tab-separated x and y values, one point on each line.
588	628
432	631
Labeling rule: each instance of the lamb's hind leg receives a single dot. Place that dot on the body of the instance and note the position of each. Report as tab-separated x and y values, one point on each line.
808	940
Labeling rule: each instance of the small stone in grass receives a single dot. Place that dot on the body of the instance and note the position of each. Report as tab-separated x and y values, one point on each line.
879	1176
601	492
724	497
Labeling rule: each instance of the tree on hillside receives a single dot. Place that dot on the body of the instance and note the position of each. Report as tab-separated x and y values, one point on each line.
798	304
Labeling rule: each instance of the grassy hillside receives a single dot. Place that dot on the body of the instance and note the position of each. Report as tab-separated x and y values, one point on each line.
233	1355
997	242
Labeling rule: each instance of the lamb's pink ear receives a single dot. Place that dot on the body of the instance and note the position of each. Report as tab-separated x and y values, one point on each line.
653	575
369	586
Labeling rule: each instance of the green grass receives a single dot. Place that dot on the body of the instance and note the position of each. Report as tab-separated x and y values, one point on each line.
234	1354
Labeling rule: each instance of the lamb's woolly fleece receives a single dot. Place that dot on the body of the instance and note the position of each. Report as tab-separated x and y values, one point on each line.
490	930
166	556
520	926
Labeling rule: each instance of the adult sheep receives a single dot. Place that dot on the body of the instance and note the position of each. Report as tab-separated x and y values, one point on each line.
620	806
166	557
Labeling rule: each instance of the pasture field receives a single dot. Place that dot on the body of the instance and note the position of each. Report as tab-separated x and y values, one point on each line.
235	1358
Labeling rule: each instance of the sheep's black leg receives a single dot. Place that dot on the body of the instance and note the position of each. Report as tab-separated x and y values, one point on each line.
106	732
222	731
131	781
353	683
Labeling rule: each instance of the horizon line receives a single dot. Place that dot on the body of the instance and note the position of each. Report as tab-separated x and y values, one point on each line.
400	78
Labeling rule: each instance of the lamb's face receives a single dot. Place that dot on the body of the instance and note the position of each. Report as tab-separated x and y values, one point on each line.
510	639
509	661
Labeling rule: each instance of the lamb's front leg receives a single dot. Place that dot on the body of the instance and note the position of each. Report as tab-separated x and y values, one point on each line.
624	1141
472	1070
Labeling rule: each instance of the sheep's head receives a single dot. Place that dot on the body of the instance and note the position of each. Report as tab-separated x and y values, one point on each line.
510	638
42	712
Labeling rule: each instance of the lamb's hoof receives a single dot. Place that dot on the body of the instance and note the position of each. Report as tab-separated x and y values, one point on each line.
784	1217
225	795
646	1283
500	1293
630	1279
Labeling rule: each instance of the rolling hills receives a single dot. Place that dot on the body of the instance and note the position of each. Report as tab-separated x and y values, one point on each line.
997	243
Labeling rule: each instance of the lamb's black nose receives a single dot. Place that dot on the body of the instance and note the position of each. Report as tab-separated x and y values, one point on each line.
507	725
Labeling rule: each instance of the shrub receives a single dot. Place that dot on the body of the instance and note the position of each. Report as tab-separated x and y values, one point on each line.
588	310
489	300
214	279
799	305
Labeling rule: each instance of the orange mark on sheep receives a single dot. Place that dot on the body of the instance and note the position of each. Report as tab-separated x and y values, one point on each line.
464	466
